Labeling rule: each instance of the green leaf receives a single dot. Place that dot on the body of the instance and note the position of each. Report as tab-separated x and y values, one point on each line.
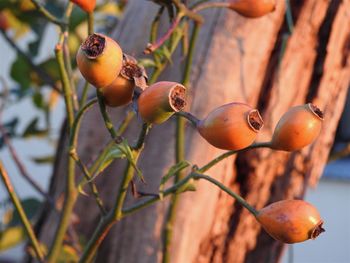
48	159
33	130
20	72
31	207
147	63
125	148
38	100
175	169
166	53
11	237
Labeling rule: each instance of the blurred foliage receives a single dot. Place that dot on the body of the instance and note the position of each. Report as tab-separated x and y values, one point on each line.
26	25
25	30
11	230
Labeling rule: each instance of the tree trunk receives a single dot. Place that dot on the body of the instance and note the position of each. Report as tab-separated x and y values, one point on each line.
237	59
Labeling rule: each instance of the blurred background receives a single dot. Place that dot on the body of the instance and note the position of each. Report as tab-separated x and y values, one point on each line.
33	116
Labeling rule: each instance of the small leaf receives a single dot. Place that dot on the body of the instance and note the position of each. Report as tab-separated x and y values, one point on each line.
20	72
33	130
38	100
166	53
175	169
48	159
31	207
147	63
11	237
125	148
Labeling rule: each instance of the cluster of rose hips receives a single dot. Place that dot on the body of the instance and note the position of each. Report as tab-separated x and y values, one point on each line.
233	126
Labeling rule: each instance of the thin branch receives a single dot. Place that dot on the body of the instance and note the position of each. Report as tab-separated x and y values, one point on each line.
23	217
105	115
52	18
179	151
154	46
182	8
238	198
42	74
67	91
230	153
203	6
21	166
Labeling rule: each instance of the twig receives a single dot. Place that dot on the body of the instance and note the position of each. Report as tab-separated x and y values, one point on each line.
48	15
187	12
152	47
107	222
116	213
73	142
227	190
105	115
23	217
180	151
203	6
70	188
21	166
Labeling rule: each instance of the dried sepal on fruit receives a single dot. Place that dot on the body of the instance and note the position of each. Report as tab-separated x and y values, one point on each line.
297	128
99	60
291	221
161	100
252	8
233	126
87	5
121	91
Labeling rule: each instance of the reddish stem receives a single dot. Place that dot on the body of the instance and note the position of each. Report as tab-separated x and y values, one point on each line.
152	47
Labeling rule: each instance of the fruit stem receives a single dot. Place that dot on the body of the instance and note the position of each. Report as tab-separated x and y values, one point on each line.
105	115
203	6
191	118
22	215
229	153
90	23
238	198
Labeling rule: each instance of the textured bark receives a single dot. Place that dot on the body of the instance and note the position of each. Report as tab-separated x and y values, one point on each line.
237	59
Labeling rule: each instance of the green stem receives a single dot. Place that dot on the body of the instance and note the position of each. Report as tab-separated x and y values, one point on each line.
84	94
187	12
229	153
187	115
92	185
73	142
203	6
151	200
119	213
67	92
22	215
90	23
140	141
48	15
238	198
76	124
70	189
116	214
180	151
105	116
